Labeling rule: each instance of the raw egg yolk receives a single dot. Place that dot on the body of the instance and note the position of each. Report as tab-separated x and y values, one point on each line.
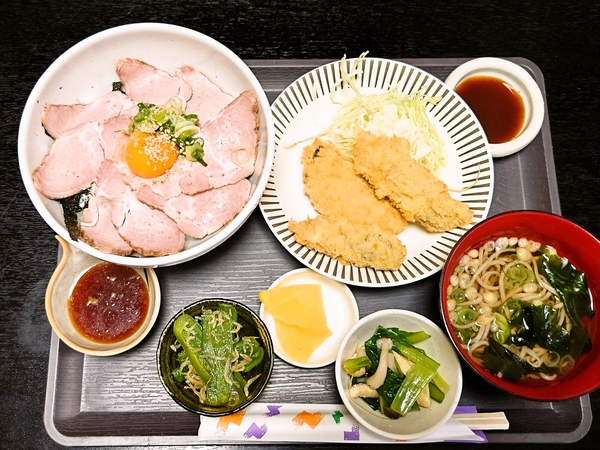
150	155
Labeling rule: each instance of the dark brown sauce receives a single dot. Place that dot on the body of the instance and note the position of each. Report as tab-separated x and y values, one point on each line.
109	303
497	105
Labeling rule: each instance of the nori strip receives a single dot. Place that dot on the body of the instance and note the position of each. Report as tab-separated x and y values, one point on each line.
72	206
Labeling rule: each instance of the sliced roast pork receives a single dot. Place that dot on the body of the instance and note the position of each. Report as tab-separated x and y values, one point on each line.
114	135
207	98
149	231
147	84
59	120
72	163
97	229
230	147
146	230
126	213
204	213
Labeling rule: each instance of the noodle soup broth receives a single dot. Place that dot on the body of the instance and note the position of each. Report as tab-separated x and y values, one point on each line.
518	303
508	315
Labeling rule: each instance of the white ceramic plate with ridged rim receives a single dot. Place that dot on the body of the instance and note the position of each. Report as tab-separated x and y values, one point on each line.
341	312
86	71
469	165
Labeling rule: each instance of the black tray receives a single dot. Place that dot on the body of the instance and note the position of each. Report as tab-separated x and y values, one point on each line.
119	400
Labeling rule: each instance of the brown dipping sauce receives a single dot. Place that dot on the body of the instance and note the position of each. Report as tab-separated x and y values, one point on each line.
109	303
497	105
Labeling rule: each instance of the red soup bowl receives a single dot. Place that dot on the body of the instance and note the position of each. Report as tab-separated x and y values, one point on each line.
570	241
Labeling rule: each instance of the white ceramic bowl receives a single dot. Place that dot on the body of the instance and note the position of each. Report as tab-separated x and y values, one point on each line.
86	71
522	82
72	265
415	424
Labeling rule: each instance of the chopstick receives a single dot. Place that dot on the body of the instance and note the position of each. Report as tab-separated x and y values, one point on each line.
483	421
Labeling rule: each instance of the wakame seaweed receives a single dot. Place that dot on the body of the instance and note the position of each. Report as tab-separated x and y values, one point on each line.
500	360
571	286
72	206
538	324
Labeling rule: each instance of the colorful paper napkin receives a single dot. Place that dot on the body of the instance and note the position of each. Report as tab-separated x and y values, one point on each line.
325	423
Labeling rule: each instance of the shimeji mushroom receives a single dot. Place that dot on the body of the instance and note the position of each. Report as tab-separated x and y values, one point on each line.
362	390
377	379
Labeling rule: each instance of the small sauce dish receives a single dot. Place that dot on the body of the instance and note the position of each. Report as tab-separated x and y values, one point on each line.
505	98
74	268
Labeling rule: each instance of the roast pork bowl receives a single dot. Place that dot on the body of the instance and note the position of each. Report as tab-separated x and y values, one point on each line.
519	296
201	117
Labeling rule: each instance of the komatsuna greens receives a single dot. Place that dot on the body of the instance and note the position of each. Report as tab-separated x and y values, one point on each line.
410	382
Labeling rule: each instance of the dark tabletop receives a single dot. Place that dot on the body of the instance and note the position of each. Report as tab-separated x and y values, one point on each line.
560	37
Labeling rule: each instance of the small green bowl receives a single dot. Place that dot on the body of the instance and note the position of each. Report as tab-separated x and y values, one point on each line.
166	358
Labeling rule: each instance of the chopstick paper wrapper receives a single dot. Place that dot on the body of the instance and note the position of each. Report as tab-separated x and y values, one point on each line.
266	423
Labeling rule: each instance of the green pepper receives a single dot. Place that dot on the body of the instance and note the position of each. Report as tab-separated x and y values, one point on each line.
250	347
177	375
189	334
239	384
217	346
228	309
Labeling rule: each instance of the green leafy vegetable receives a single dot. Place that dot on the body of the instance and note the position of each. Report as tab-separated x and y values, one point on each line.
399	392
436	393
390	386
415	381
571	286
353	365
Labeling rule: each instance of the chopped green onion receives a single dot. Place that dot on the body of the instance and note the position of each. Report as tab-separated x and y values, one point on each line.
500	328
458	294
466	315
172	120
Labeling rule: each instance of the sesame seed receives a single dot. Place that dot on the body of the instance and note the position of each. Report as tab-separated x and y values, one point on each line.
154	147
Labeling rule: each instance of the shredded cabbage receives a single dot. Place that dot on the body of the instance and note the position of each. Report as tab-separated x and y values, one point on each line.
389	113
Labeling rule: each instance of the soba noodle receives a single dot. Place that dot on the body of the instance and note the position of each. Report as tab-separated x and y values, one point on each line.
487	291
